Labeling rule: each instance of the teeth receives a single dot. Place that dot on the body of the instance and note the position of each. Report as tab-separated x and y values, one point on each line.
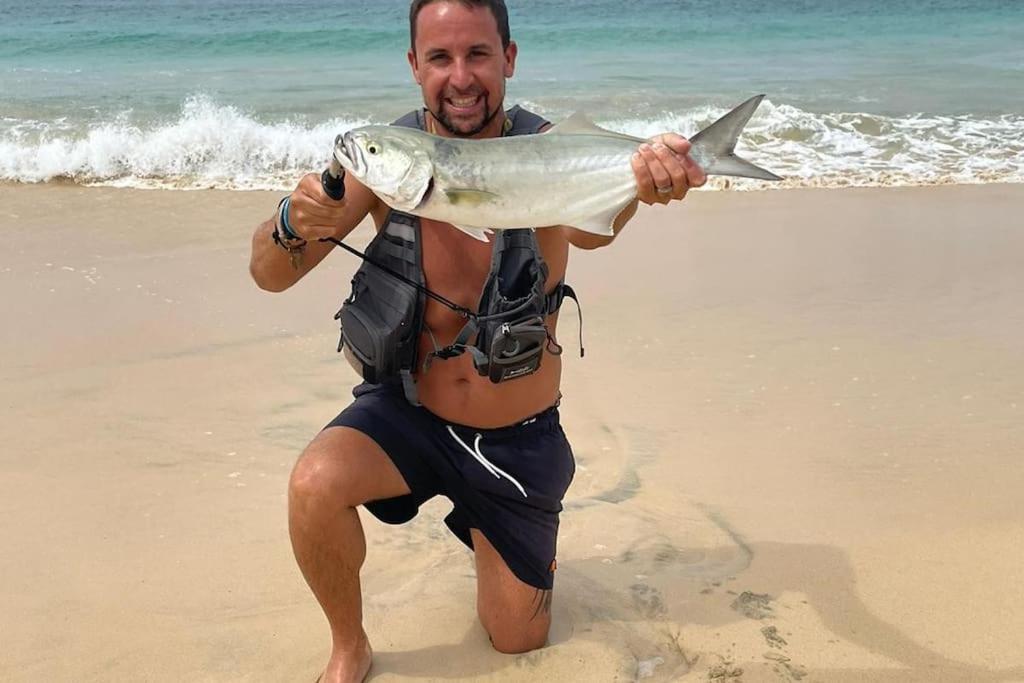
463	102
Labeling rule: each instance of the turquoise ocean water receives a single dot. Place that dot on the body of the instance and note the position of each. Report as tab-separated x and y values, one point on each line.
250	93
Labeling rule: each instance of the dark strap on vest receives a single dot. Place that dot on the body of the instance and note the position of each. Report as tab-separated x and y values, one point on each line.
555	299
518	121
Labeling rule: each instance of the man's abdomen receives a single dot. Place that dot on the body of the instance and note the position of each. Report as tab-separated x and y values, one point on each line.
452	389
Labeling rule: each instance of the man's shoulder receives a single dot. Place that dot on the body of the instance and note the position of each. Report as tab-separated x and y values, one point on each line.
413	119
524	122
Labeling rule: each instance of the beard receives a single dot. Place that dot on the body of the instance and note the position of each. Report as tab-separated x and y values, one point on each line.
467	129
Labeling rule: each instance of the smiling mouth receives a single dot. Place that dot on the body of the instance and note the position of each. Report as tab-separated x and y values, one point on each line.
463	103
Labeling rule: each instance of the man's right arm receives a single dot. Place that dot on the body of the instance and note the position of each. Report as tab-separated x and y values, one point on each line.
313	216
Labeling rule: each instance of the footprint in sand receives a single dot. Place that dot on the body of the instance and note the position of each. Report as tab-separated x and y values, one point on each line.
753	605
648	601
772	637
629	557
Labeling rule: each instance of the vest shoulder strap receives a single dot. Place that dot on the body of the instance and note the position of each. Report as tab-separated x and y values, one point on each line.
413	119
522	122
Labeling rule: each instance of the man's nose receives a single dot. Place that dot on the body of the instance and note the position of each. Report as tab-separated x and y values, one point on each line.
461	77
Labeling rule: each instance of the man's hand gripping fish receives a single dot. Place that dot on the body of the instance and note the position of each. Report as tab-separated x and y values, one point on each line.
575	173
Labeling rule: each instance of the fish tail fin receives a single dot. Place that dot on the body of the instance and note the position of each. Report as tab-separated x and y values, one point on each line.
719	139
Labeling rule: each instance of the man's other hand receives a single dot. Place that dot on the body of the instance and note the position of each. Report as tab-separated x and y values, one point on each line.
664	170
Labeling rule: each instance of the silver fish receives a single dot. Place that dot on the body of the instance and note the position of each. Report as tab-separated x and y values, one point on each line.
575	173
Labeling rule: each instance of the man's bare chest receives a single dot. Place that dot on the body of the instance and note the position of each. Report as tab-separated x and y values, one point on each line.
456	265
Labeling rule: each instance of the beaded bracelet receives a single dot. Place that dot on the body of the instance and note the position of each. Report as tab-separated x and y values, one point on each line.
285	237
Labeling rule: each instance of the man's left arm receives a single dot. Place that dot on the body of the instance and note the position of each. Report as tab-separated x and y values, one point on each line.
664	172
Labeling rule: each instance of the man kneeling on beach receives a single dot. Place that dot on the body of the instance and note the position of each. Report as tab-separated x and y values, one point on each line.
496	450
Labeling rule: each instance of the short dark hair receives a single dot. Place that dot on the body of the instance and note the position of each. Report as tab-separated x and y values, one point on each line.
497	8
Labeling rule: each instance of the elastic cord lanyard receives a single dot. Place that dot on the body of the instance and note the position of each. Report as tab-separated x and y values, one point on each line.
461	310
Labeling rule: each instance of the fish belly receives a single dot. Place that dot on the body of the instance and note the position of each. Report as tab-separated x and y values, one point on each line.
535	186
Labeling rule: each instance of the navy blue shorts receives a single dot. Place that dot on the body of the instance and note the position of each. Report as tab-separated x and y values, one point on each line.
506	482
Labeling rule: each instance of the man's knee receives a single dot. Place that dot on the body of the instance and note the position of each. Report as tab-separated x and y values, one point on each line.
343	468
514	643
512	636
319	476
515	615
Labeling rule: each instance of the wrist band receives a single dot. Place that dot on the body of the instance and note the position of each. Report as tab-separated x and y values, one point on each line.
287	232
284	236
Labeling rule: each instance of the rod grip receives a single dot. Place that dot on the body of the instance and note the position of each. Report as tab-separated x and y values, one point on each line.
333	181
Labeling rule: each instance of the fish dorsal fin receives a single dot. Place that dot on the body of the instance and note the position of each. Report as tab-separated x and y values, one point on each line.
580	124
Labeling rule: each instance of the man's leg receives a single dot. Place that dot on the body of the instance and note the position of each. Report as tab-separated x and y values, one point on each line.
341	469
515	615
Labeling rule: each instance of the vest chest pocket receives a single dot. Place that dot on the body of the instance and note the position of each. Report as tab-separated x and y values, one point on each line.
378	324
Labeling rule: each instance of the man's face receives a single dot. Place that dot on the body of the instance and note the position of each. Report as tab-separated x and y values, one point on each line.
460	65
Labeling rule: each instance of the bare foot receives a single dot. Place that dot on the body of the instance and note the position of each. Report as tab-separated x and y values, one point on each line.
349	666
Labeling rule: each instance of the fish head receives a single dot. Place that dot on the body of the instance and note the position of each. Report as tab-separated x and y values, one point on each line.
393	162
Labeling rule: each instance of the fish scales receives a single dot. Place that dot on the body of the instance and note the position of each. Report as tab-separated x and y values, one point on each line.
574	174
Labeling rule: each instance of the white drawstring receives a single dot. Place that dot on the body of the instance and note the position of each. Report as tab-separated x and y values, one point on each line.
475	452
489	466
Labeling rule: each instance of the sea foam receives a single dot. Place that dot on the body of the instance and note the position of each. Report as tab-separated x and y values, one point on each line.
212	145
207	146
859	149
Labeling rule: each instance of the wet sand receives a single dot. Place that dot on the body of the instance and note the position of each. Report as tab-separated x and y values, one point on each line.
799	429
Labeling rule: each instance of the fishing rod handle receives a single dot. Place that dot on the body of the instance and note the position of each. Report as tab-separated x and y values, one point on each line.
333	178
333	181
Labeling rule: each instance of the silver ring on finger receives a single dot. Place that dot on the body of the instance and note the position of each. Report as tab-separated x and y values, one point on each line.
664	190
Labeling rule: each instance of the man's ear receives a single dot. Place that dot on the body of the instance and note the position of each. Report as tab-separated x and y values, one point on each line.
414	65
510	58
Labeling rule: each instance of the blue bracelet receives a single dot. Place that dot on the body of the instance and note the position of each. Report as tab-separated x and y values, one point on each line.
282	214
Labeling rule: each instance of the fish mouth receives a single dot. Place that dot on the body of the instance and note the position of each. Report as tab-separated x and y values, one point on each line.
348	154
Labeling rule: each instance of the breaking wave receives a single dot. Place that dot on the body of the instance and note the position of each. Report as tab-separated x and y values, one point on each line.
206	146
211	145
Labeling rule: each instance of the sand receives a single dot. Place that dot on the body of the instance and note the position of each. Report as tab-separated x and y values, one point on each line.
799	427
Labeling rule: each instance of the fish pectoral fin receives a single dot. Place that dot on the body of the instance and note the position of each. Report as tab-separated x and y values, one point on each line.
475	233
601	224
469	197
580	124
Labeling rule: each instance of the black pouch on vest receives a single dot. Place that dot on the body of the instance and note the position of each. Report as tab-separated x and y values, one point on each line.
512	328
379	325
516	349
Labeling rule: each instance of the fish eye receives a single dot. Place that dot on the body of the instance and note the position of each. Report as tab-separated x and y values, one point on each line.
372	148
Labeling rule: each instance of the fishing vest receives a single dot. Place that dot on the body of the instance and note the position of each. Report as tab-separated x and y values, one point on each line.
383	317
